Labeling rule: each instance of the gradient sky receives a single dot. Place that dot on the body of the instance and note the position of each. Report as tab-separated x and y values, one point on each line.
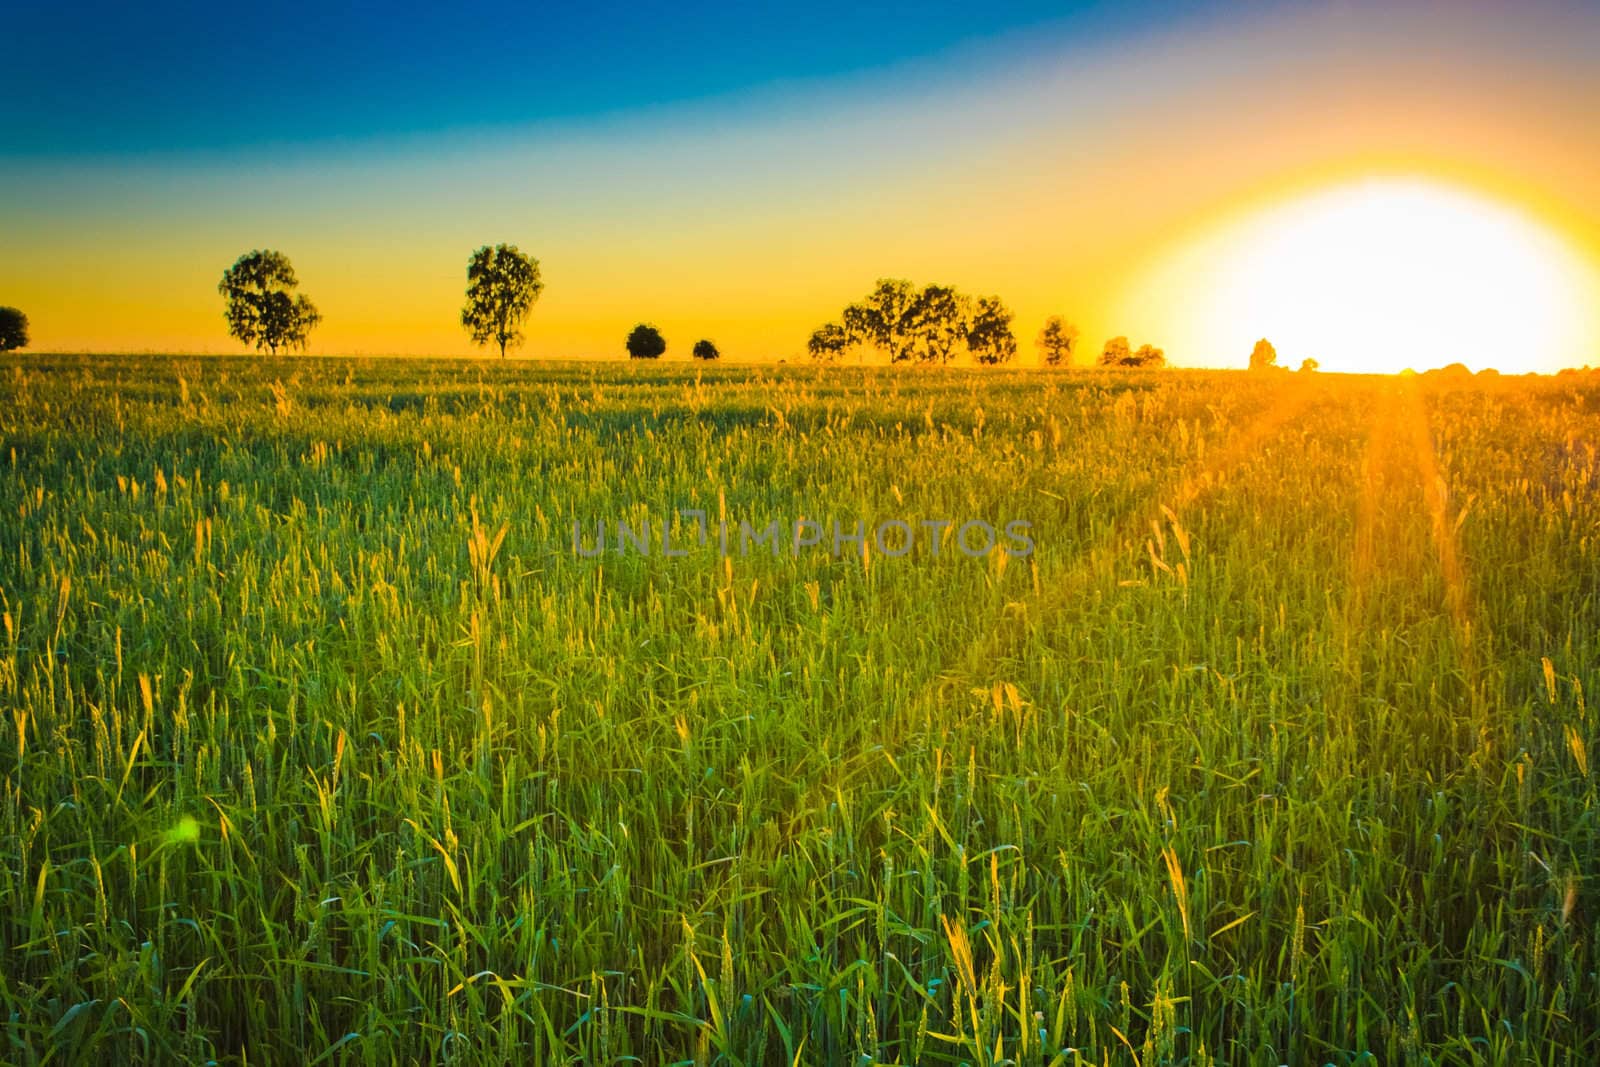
737	172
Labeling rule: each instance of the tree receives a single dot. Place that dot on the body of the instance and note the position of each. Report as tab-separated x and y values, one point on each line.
883	318
926	325
502	286
13	329
261	309
1148	356
1308	365
646	342
1263	356
828	341
704	349
935	323
1056	341
1116	353
989	336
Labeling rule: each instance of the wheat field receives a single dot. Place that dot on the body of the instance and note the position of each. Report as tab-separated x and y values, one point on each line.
321	744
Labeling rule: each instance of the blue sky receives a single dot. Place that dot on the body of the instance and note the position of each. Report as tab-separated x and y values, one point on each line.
94	78
741	173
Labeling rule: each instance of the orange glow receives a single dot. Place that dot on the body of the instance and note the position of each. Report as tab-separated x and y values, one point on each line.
1205	201
1375	276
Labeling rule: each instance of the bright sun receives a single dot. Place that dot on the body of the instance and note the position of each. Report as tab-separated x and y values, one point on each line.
1377	276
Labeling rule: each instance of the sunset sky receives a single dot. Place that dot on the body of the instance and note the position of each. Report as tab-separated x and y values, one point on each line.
1192	177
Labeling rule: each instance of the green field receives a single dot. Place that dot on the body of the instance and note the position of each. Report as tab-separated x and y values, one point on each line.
321	744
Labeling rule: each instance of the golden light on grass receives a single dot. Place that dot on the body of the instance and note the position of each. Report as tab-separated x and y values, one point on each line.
1376	276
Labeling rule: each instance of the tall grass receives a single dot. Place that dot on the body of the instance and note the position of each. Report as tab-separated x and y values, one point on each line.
320	744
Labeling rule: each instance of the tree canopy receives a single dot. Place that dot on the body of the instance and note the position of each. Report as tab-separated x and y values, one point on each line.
1056	341
989	336
262	309
645	342
1263	356
935	323
704	349
883	319
13	329
1118	353
927	325
502	286
828	341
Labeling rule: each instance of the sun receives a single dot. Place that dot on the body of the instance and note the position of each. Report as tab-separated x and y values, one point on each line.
1376	276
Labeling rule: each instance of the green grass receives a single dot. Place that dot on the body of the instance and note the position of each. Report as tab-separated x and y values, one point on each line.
1276	751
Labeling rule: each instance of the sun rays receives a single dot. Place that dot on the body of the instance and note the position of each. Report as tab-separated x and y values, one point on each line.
1399	470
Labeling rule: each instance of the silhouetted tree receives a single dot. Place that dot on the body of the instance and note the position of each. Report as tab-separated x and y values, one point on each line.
989	336
936	322
261	310
1308	365
1263	356
1116	353
828	341
646	342
883	318
704	349
926	325
1056	341
1148	356
502	286
13	329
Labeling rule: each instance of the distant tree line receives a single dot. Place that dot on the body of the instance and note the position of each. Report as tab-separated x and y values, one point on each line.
1264	357
503	284
1117	353
930	324
927	325
935	323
